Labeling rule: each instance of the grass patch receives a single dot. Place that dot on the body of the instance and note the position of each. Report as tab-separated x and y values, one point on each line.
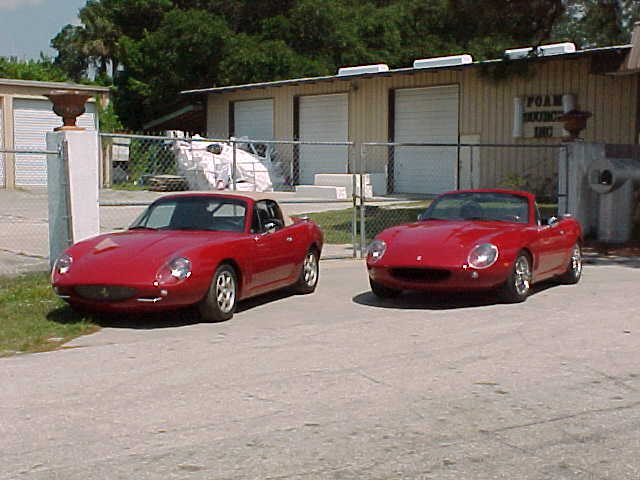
337	224
33	319
130	187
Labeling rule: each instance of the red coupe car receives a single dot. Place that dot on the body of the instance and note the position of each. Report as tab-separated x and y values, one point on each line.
204	249
476	240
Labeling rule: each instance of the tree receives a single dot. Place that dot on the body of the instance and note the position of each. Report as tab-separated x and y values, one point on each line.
597	23
42	70
71	57
184	52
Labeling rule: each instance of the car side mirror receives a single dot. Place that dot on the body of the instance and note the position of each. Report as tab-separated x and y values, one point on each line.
552	221
421	217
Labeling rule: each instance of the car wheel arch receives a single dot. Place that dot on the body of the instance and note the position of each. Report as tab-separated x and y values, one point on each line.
236	267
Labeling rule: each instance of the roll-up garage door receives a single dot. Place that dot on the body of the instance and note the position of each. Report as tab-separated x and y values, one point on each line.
253	119
2	155
426	115
32	120
323	118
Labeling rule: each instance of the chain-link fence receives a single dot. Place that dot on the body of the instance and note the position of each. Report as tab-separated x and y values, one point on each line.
136	169
352	193
417	172
170	163
24	222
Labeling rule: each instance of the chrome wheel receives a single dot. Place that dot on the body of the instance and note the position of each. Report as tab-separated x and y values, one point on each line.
576	260
574	268
522	276
226	291
310	269
309	273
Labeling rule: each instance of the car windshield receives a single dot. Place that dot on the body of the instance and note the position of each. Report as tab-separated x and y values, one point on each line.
194	213
480	206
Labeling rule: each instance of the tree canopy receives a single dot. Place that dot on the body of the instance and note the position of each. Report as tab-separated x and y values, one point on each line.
42	70
152	49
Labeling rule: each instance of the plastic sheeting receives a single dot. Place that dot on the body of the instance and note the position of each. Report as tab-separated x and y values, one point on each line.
205	171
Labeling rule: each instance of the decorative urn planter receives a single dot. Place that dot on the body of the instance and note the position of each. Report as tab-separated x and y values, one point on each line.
574	122
68	104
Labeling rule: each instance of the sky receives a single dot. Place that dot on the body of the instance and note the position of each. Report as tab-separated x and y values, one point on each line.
27	26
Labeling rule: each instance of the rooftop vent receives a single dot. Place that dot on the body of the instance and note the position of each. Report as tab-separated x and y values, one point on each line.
542	51
449	61
378	68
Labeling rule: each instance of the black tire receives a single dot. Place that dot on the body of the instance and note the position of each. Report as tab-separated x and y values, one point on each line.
381	291
220	302
309	273
574	269
518	286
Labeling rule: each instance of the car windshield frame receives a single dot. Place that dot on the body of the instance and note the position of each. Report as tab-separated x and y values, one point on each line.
194	213
479	206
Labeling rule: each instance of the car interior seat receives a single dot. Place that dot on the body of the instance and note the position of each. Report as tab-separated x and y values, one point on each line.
471	210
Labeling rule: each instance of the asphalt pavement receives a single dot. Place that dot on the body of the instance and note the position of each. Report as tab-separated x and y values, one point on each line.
340	385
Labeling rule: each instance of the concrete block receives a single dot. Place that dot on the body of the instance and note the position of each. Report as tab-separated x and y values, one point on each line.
326	192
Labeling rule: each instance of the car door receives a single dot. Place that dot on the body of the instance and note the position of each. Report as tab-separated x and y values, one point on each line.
549	244
273	261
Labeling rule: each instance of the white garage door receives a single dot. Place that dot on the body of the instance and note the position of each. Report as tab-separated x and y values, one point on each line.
2	155
323	118
32	120
426	115
253	119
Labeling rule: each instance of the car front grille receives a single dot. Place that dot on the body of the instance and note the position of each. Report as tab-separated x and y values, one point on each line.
105	292
421	275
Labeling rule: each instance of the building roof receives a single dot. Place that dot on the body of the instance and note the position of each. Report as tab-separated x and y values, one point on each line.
405	71
53	85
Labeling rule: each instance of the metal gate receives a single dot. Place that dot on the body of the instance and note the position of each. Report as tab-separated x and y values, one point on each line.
24	219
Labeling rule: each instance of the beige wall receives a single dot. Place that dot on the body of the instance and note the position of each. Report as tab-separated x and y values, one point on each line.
486	110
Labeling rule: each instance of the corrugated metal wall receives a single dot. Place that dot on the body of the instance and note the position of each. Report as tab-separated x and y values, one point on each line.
486	109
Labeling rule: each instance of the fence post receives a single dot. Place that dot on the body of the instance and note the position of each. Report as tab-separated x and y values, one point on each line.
354	219
233	167
72	179
362	200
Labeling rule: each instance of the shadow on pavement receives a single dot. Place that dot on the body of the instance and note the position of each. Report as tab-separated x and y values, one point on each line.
415	300
148	321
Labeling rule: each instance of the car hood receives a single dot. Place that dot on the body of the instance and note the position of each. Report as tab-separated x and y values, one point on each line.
441	242
137	255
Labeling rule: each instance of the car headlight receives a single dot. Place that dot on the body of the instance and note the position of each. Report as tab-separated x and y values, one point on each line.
63	264
174	271
376	250
483	255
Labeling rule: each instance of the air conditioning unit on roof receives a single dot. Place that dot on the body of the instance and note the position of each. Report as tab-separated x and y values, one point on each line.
449	61
542	51
378	68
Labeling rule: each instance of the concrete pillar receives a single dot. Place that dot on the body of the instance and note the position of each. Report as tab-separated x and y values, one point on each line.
615	224
72	188
9	158
581	200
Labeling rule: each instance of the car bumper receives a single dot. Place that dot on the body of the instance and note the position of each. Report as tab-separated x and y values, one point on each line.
439	278
141	298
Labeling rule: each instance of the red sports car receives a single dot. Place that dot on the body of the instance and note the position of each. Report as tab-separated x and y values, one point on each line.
476	240
205	249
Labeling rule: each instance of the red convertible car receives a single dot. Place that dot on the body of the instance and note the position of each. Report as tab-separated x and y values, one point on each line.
476	240
204	249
